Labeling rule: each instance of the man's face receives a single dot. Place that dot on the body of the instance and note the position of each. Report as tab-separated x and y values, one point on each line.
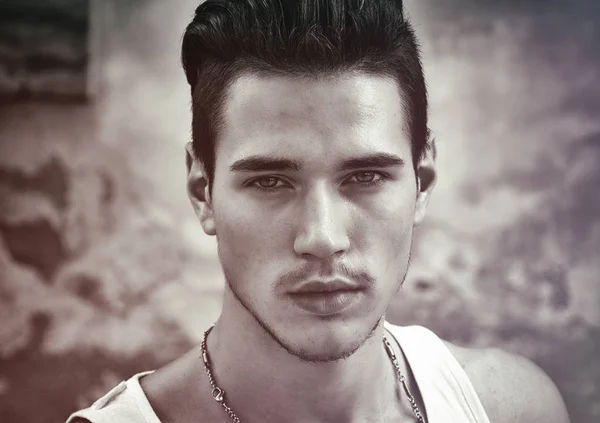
314	183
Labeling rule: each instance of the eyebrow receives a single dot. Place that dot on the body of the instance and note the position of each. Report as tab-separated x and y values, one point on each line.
266	163
376	160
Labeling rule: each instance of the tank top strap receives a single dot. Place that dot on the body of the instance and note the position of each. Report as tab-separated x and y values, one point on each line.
126	402
447	392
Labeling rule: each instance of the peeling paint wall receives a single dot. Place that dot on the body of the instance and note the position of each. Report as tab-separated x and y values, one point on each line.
104	270
44	47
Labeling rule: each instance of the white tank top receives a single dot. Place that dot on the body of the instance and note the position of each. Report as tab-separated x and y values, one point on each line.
445	388
447	392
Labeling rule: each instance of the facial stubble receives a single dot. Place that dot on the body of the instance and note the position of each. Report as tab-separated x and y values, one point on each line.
303	354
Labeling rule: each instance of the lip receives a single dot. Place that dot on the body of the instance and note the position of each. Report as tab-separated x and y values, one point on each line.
323	287
326	303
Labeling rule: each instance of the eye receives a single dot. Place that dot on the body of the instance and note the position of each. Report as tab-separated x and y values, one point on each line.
367	178
268	183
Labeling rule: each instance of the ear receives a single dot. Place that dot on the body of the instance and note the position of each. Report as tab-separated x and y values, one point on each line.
426	179
198	192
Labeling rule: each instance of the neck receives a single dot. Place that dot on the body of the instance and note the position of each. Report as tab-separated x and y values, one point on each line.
253	369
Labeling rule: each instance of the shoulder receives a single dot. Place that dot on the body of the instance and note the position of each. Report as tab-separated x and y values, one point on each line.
117	405
511	387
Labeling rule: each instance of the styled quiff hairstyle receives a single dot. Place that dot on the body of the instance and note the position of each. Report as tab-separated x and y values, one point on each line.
228	39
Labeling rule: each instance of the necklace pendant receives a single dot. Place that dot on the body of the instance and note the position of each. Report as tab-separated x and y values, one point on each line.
218	394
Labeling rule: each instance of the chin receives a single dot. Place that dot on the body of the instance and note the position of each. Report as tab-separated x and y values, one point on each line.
324	340
331	352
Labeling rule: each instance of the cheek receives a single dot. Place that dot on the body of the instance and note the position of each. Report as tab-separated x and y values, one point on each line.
400	226
246	238
394	238
394	208
387	230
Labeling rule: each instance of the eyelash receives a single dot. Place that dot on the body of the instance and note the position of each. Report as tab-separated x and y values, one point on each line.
382	177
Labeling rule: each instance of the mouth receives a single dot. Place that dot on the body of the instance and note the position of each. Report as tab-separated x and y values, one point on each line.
326	298
323	287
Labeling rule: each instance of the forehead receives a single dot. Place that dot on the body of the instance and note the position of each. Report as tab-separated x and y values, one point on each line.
308	118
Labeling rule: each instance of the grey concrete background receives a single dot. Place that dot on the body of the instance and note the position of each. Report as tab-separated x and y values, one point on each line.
105	272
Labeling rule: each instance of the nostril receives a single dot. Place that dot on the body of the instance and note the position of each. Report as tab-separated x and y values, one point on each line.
320	246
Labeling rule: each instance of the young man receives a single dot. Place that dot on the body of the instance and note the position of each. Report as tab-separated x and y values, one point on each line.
311	164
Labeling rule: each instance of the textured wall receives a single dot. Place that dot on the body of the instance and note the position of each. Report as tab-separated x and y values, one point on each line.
104	271
44	47
509	256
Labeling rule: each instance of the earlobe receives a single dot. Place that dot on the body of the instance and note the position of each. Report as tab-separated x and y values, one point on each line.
208	222
198	192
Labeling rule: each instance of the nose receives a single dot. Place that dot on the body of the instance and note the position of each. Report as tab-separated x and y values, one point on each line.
321	228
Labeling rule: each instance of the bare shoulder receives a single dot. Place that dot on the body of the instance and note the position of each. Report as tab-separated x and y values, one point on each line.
511	387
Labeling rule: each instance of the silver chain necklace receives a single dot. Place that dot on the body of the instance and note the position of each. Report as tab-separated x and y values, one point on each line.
218	394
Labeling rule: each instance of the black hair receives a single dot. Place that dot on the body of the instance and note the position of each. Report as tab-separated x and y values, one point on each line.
232	38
